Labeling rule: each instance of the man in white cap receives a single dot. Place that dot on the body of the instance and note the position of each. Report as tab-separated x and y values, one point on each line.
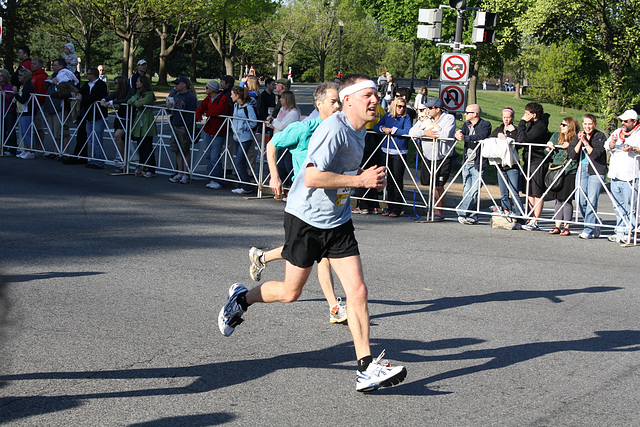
318	224
133	79
624	170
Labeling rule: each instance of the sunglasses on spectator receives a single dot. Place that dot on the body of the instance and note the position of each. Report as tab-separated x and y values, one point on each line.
563	124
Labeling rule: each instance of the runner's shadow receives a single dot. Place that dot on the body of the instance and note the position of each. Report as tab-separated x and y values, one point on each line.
213	376
454	302
501	357
17	278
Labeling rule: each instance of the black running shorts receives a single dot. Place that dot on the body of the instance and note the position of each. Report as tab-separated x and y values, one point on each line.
304	244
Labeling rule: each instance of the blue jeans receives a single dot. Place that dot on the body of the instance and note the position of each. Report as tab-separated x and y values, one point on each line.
242	165
25	132
591	185
509	191
214	160
471	181
95	136
624	206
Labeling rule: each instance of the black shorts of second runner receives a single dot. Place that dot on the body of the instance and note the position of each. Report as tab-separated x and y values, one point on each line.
442	175
304	244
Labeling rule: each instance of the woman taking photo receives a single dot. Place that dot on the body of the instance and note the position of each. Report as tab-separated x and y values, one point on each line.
564	196
587	148
119	98
144	126
395	122
243	135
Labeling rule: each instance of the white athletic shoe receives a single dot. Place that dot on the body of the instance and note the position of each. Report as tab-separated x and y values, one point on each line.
338	313
378	374
214	185
256	267
231	314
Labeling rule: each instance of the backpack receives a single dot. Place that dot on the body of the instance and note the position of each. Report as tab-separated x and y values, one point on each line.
252	125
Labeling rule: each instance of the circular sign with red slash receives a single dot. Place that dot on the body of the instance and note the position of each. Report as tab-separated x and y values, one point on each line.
454	97
454	67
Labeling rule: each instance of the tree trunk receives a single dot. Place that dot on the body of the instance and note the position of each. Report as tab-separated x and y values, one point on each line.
516	94
125	56
163	55
473	81
132	50
194	51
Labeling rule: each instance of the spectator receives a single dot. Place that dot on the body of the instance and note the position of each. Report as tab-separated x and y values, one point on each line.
141	71
281	86
421	98
243	123
38	77
624	170
8	113
266	100
226	84
70	57
214	105
406	93
484	84
395	122
103	75
57	109
564	196
22	96
382	79
473	130
95	115
587	148
287	114
144	125
23	54
434	112
388	91
118	98
509	176
182	99
533	130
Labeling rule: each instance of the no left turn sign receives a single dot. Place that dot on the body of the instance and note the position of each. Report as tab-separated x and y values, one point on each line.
454	67
454	97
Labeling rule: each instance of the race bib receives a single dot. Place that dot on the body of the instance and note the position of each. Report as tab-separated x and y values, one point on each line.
342	194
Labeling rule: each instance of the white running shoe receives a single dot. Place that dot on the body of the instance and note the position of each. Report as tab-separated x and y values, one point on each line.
231	314
185	179
338	313
21	154
256	267
214	185
28	155
176	178
239	191
378	374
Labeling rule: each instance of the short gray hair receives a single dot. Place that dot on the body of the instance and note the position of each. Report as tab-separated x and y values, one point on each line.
320	93
39	61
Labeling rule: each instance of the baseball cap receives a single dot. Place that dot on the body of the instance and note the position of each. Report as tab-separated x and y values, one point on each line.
434	102
284	82
142	62
629	115
180	79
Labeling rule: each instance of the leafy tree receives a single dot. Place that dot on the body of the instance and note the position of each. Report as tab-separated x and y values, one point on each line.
19	19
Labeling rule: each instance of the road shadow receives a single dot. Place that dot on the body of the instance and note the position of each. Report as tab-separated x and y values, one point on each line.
19	278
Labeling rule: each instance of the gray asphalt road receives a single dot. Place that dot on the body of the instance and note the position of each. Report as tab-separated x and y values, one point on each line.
116	283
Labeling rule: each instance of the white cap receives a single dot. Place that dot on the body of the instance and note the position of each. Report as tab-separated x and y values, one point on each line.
142	62
629	115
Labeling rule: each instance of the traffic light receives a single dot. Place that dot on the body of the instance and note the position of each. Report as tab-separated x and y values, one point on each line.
458	4
433	19
483	24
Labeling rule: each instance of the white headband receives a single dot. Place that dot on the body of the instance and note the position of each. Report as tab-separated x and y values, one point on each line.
350	90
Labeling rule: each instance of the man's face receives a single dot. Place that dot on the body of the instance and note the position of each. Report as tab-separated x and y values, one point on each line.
180	87
35	66
57	66
22	55
362	104
280	88
142	68
330	104
628	125
92	77
434	112
223	84
271	86
101	70
389	78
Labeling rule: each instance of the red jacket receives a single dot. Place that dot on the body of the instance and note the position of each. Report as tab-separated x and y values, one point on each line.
37	80
212	108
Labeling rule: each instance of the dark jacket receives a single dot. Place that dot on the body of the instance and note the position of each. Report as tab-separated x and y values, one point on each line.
598	154
265	101
534	133
482	131
89	99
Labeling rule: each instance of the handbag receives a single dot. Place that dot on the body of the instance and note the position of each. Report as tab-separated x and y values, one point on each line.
554	178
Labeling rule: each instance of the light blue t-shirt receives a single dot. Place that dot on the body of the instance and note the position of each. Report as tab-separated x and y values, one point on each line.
334	147
296	138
